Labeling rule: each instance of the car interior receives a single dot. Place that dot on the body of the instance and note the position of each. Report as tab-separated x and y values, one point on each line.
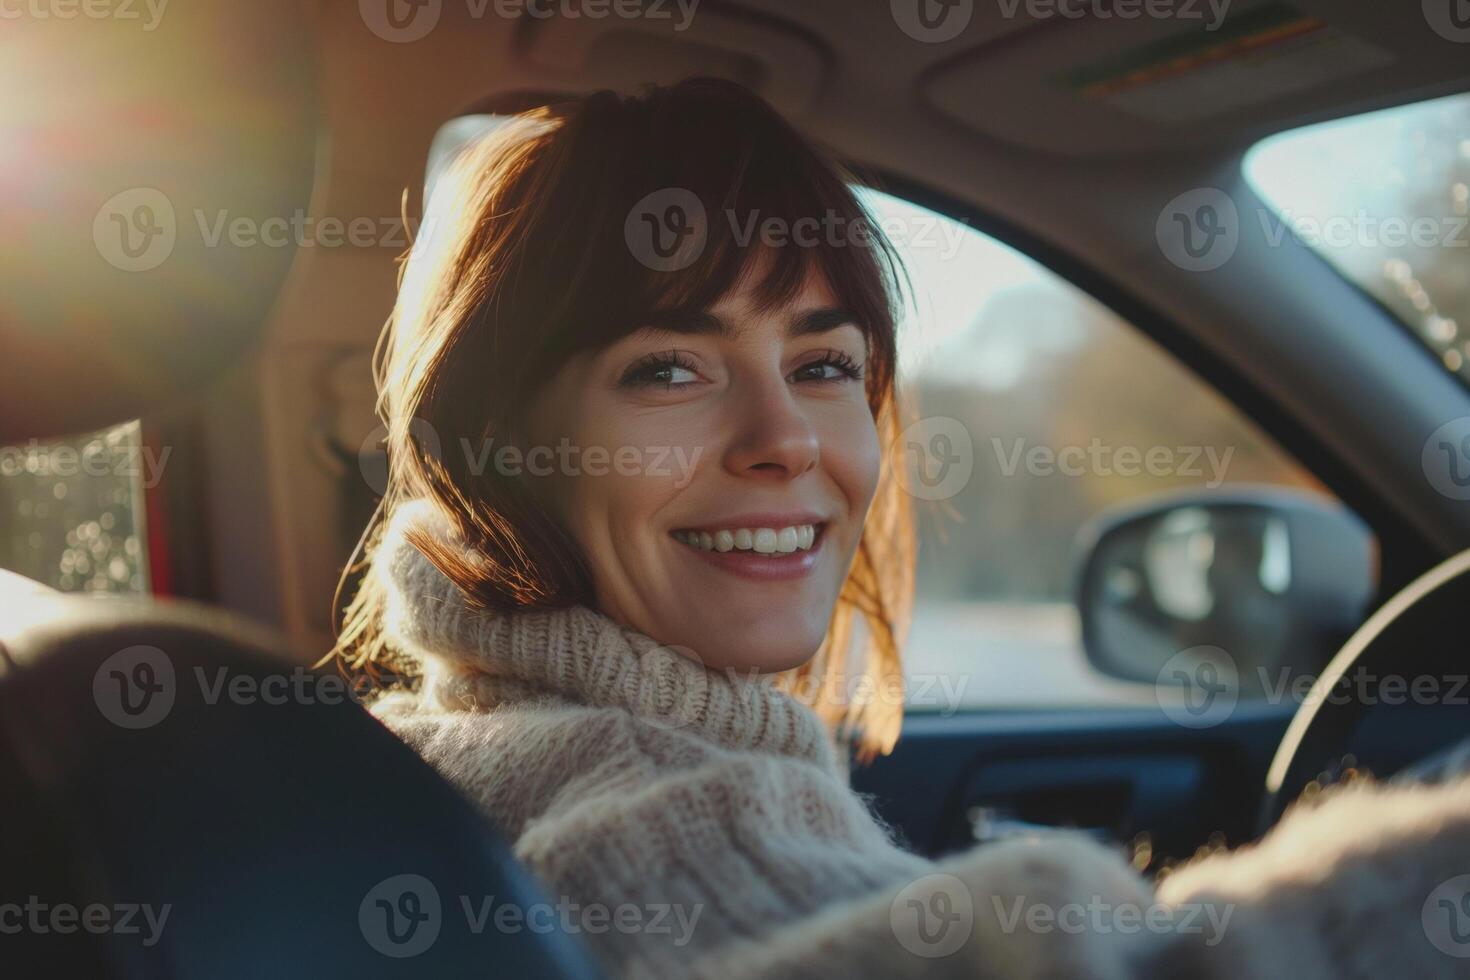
1064	131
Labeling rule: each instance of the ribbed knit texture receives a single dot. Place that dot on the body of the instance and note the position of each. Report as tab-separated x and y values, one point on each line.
626	774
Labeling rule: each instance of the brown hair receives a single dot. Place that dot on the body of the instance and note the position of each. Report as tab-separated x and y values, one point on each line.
523	261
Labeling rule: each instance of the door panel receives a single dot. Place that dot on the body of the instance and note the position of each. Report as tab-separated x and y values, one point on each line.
1118	772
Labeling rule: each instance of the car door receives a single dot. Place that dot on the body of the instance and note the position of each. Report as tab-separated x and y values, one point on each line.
1038	415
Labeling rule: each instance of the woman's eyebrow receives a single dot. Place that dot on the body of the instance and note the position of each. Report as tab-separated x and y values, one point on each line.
820	321
803	324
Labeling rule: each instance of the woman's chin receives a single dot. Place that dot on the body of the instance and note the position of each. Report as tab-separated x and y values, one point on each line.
764	647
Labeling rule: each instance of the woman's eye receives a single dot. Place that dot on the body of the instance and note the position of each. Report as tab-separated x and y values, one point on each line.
833	366
662	370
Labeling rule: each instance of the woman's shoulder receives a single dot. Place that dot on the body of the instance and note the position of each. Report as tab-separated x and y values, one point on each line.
538	755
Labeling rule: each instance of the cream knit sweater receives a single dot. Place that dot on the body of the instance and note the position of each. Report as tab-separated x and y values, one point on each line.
699	824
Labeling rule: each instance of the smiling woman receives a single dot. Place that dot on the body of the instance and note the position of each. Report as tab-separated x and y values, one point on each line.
770	368
620	666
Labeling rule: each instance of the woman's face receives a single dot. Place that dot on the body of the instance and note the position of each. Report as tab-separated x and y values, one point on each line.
716	471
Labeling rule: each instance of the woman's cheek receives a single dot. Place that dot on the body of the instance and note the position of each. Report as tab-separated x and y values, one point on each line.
856	456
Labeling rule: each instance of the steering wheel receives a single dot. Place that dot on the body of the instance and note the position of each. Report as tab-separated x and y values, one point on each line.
1413	635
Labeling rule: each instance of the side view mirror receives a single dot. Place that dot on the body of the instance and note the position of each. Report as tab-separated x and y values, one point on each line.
1276	579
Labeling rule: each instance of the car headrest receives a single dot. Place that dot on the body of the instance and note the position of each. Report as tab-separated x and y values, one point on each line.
181	801
132	144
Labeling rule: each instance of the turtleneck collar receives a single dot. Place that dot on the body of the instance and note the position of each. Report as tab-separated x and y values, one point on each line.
476	660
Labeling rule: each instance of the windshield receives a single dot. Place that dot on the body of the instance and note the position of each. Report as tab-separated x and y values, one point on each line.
1384	197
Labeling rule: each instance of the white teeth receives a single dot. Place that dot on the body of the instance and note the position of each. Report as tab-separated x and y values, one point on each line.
762	540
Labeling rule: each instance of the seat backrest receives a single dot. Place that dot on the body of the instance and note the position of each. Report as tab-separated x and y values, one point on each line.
181	801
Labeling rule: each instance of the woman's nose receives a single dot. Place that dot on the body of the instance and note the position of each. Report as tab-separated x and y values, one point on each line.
774	437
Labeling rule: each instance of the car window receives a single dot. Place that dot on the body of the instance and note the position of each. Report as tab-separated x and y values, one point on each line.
1037	410
71	511
1384	197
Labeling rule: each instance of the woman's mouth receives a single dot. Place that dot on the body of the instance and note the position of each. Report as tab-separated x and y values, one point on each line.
776	552
761	540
